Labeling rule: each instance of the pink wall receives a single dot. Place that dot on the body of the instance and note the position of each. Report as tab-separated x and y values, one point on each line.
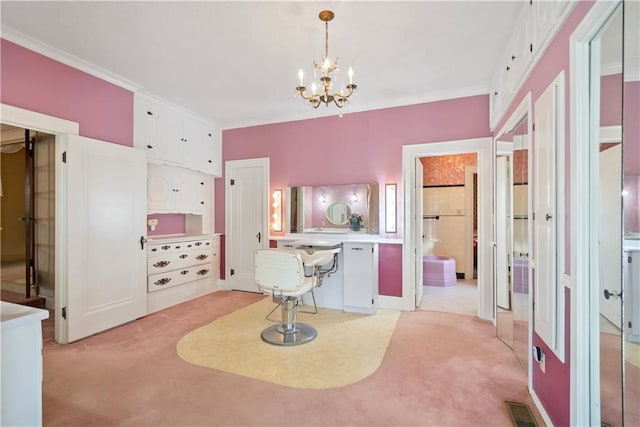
37	83
611	100
357	148
167	224
631	135
553	385
390	279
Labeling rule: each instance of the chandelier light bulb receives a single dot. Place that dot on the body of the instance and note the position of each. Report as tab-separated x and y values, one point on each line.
328	77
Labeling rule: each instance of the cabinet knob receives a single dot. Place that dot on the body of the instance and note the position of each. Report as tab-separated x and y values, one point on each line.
184	272
149	146
508	68
202	203
209	134
513	57
150	113
210	161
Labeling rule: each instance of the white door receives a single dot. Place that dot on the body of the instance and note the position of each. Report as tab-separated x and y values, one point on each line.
503	239
544	214
419	232
247	210
106	215
610	219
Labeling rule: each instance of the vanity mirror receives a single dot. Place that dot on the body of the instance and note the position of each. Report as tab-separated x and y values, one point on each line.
348	208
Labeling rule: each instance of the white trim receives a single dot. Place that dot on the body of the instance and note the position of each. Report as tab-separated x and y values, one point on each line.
389	303
540	407
60	128
36	121
482	146
581	346
610	133
469	172
357	108
66	58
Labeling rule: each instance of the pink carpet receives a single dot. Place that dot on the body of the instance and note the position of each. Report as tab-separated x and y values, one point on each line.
439	370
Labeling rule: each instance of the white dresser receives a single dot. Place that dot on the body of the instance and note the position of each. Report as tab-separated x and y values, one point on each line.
180	269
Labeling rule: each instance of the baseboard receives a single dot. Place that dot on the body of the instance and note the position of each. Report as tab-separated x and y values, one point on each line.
540	408
389	303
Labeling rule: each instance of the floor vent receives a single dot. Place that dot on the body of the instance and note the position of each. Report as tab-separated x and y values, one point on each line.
520	414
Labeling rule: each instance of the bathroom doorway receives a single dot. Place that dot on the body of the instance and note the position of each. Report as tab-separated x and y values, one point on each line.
450	224
480	147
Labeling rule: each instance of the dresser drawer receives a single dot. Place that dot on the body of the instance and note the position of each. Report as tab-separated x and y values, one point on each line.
168	279
156	249
182	258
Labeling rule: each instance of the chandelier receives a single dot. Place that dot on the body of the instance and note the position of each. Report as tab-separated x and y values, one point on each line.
325	67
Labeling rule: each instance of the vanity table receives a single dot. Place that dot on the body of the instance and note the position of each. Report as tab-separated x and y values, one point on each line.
347	215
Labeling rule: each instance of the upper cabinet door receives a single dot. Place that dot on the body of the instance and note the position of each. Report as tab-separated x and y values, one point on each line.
173	136
162	133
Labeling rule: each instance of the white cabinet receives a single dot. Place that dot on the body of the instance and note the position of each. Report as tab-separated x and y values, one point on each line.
535	27
177	190
180	269
21	332
360	277
175	137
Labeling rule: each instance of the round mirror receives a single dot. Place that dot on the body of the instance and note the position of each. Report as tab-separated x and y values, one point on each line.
338	213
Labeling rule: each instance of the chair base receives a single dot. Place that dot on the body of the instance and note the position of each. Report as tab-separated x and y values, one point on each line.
275	335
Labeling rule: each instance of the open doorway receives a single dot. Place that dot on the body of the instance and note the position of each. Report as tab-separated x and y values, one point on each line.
27	205
412	243
450	231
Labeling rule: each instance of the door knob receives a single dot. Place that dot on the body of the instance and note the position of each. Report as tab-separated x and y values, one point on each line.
608	294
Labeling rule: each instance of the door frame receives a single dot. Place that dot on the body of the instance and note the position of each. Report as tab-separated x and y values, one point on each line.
585	360
483	148
228	166
469	172
59	128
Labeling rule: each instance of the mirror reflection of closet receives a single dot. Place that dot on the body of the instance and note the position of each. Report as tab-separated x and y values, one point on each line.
512	234
616	213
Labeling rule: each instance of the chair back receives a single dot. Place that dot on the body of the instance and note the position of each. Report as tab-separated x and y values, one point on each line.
279	270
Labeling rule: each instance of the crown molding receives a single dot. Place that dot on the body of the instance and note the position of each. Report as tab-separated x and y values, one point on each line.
66	58
399	102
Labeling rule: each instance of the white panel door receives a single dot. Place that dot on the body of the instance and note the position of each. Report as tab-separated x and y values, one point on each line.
503	233
247	190
419	237
544	209
610	219
106	215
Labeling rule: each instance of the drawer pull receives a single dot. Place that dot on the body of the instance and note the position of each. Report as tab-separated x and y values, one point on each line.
177	247
201	257
189	246
154	249
202	272
183	256
198	243
162	282
160	264
357	249
183	272
208	243
165	247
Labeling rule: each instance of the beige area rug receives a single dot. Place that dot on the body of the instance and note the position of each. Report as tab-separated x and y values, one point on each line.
349	347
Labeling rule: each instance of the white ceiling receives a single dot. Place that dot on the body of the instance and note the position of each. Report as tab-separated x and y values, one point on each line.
236	62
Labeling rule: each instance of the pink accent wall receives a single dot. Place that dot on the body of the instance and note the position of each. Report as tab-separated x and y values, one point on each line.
446	170
390	270
357	148
631	131
611	104
37	83
167	224
553	386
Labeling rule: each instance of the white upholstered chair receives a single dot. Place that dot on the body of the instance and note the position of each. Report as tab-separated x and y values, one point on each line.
280	273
